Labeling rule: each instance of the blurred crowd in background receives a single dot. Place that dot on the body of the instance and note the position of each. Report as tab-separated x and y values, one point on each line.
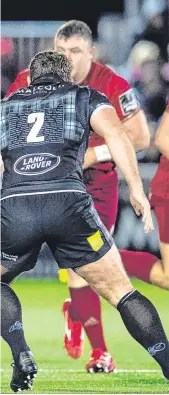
134	45
137	48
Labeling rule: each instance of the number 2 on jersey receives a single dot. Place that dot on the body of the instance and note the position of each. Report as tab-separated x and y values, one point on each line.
38	119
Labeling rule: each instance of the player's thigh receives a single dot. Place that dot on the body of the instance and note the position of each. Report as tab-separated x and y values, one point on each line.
14	265
3	270
20	222
107	276
162	216
105	198
19	244
74	280
107	209
164	249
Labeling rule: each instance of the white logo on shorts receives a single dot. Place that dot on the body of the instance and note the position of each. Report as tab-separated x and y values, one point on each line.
9	257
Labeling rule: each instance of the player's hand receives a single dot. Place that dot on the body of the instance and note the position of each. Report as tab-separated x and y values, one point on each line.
141	206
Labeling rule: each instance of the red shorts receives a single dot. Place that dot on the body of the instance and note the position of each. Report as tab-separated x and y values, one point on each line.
103	187
162	216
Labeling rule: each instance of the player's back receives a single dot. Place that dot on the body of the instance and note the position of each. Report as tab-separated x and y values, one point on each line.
46	132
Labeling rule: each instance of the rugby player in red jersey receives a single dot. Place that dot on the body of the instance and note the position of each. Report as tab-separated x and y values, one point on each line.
160	202
22	80
74	39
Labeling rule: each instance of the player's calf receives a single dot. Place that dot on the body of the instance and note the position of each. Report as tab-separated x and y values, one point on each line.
24	367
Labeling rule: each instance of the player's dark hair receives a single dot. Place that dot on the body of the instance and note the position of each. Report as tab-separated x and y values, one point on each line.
74	28
50	62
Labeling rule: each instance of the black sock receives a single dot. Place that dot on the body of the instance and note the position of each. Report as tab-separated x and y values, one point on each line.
11	321
143	323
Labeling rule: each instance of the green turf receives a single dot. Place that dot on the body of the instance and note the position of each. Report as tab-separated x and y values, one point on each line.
44	327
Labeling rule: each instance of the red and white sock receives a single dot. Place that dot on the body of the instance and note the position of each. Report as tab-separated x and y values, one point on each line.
86	308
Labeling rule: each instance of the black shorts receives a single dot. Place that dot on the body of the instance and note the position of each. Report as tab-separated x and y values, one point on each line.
66	221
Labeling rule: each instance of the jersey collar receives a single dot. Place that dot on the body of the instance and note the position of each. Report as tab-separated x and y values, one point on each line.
47	79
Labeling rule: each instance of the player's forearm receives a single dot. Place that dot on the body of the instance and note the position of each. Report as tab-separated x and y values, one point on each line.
138	143
90	158
123	155
106	123
95	155
1	165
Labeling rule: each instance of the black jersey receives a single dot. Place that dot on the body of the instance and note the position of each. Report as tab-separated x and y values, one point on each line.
45	130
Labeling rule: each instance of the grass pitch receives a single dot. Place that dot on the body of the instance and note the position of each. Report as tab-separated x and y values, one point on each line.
137	372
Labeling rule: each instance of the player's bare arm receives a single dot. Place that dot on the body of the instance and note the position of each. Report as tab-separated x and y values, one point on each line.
162	135
95	155
1	165
136	128
106	123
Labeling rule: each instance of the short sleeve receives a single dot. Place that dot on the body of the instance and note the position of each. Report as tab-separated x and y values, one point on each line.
97	101
122	96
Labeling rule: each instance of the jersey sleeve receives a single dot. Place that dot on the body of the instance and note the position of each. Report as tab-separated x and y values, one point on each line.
97	101
21	81
122	96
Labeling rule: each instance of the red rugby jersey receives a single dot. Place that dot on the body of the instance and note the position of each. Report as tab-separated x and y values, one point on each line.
22	81
120	95
160	182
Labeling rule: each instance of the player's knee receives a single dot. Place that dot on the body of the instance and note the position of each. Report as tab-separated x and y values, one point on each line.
7	275
74	280
3	270
107	277
159	275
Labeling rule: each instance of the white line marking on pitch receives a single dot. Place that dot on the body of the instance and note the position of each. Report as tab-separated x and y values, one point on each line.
82	370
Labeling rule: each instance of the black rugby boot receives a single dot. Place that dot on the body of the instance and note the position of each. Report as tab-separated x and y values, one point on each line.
23	372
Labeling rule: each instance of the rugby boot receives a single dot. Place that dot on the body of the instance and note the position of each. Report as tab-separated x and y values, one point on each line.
100	362
23	372
74	335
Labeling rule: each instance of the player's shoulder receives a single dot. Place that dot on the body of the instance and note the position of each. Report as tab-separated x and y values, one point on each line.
109	76
23	75
92	93
24	72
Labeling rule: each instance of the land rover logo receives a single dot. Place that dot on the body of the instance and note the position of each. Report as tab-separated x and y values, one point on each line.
34	164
